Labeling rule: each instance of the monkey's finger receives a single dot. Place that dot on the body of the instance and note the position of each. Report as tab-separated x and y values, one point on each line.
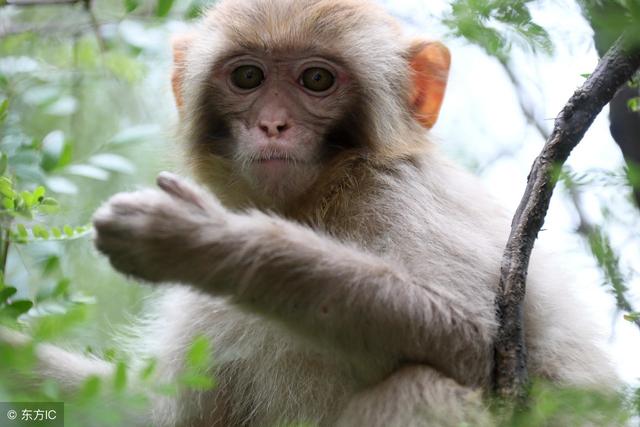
175	186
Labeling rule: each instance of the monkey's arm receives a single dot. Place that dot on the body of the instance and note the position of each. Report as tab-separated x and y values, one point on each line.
70	370
280	269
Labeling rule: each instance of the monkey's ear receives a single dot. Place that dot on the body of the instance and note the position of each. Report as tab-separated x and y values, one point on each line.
180	46
430	63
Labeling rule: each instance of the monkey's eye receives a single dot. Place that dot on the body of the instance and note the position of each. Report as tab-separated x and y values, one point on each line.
247	77
317	79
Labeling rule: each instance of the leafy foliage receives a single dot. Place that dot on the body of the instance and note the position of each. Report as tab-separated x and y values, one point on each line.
611	18
495	24
551	405
597	238
70	121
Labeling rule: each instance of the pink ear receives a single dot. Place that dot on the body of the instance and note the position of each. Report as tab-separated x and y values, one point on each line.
430	62
180	45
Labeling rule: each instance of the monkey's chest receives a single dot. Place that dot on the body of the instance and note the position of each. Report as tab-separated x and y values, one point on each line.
279	380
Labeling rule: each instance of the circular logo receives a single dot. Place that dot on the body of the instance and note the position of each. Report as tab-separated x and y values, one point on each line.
12	415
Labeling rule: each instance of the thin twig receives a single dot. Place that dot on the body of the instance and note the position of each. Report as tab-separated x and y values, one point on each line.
4	250
614	69
95	25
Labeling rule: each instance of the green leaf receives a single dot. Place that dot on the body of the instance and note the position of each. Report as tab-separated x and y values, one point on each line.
634	104
6	293
88	171
198	382
9	204
68	230
62	288
38	193
164	7
6	187
22	231
56	232
120	377
22	209
113	162
632	317
167	389
41	95
134	134
53	150
51	264
91	388
4	110
63	106
61	185
55	324
49	206
27	198
40	231
51	390
199	354
20	307
131	5
149	369
4	161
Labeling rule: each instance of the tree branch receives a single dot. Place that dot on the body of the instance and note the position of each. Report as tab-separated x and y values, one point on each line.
614	69
585	229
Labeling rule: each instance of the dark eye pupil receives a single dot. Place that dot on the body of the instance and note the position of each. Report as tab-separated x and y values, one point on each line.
317	79
247	77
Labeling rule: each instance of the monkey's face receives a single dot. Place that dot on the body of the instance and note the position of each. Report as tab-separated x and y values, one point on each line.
270	92
278	112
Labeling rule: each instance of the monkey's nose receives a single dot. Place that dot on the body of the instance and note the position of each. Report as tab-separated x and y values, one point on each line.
273	128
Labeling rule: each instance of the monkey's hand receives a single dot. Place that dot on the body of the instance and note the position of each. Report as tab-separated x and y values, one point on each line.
155	235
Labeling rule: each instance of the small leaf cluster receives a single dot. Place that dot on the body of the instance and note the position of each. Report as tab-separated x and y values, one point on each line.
11	308
495	25
614	276
551	405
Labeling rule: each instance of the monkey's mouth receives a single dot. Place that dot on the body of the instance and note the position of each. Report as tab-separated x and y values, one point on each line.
278	159
272	165
274	159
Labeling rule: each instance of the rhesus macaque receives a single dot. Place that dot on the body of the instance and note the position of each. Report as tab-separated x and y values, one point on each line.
344	271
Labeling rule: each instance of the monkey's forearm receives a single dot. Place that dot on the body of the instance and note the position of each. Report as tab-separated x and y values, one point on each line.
334	292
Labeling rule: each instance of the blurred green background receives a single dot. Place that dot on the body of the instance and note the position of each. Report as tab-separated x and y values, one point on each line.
90	113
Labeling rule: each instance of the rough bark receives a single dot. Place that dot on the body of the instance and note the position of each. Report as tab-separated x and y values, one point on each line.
614	69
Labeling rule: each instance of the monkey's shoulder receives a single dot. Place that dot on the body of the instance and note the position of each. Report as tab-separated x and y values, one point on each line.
412	196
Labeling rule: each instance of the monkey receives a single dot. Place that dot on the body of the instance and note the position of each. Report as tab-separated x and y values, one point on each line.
343	269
